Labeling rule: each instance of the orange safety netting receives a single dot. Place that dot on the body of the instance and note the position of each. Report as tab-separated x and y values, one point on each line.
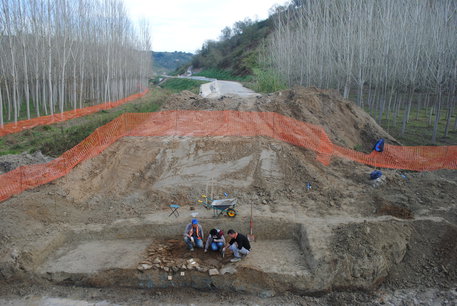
11	128
223	123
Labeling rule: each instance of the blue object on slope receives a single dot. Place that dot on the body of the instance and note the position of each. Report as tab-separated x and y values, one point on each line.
375	174
379	146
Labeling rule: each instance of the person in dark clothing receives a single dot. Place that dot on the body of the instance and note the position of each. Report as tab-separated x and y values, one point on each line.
216	240
239	245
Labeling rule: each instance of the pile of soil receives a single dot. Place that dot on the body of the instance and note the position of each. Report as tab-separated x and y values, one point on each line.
264	171
431	259
367	251
13	161
346	124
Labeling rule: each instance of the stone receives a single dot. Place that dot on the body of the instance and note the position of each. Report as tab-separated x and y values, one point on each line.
213	272
61	193
166	269
267	294
191	261
183	267
142	267
157	260
175	269
444	269
147	262
14	254
228	270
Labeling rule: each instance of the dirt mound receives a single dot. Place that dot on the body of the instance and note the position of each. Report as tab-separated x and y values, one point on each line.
346	124
13	161
430	260
367	251
266	172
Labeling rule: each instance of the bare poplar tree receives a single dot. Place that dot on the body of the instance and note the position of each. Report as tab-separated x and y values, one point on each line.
62	54
388	52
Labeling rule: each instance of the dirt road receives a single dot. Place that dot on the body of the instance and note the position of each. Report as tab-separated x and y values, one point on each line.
217	89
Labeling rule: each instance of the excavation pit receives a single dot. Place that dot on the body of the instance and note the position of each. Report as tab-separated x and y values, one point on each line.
155	256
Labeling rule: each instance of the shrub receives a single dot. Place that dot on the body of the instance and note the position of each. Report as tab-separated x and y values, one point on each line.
267	80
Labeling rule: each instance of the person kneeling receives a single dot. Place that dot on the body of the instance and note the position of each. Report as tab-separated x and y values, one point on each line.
216	240
239	245
193	235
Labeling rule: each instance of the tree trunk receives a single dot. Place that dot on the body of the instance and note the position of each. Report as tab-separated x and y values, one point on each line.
26	81
1	107
437	118
448	116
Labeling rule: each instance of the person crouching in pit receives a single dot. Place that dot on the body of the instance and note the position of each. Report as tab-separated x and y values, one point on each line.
193	235
239	245
215	241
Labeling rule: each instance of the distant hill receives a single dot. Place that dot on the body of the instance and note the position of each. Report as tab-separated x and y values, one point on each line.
236	50
164	62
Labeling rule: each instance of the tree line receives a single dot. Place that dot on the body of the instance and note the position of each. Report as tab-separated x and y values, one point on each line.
65	54
390	54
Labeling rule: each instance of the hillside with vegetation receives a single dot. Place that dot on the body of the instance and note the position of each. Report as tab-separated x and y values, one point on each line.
165	62
237	49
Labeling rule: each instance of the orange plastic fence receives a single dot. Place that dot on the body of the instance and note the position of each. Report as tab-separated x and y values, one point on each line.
11	128
223	123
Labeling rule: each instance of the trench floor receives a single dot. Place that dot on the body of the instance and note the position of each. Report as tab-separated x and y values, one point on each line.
277	256
96	255
85	257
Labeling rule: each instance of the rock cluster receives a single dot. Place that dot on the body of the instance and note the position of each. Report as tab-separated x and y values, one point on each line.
163	256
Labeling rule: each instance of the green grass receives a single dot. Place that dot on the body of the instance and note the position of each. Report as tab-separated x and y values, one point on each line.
266	81
177	85
223	75
418	131
55	139
156	80
23	111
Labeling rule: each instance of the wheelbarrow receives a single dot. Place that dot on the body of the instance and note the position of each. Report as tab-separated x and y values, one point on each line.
206	202
224	206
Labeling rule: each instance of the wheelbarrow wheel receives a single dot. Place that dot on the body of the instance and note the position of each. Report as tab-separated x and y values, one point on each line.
231	212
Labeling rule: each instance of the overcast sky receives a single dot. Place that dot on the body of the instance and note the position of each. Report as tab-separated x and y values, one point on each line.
183	25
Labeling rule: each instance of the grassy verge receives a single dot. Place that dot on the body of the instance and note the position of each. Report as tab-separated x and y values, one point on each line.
223	75
266	81
418	131
176	85
23	110
55	139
